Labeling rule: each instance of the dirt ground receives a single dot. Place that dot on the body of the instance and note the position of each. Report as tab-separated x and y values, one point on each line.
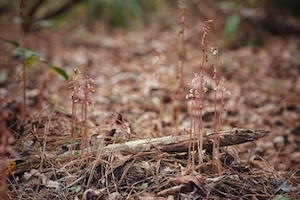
134	73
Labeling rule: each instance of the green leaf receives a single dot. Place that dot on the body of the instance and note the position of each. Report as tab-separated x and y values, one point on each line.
16	44
143	186
88	171
32	56
280	197
18	53
30	61
75	189
59	70
231	26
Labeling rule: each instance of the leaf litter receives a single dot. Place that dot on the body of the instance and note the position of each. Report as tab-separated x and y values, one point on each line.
134	100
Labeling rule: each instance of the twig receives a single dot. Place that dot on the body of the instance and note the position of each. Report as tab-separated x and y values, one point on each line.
181	143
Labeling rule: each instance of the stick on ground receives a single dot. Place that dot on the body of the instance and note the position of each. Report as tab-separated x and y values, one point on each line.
180	143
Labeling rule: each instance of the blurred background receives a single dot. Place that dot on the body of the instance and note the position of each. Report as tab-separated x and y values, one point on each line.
236	17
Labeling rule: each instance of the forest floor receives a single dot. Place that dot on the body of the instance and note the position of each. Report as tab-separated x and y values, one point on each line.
134	73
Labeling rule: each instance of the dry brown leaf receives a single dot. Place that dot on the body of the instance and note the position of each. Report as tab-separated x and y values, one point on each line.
34	177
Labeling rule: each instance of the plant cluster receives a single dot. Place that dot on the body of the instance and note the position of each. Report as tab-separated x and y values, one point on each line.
82	88
196	94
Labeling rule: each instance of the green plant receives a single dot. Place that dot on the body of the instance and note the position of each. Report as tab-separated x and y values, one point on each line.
124	13
31	57
231	28
137	122
119	13
40	12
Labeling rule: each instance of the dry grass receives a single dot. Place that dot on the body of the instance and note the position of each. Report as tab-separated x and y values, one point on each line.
46	170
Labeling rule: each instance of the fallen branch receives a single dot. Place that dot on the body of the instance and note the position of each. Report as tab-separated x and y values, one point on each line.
180	143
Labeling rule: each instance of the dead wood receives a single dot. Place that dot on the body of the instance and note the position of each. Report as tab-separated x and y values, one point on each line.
180	143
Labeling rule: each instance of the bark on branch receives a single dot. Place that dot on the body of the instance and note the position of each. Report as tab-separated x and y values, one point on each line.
180	143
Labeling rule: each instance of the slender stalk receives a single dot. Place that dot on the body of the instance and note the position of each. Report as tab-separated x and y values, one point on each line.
73	126
182	20
84	113
215	155
194	133
74	100
22	16
87	89
200	91
223	108
191	147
